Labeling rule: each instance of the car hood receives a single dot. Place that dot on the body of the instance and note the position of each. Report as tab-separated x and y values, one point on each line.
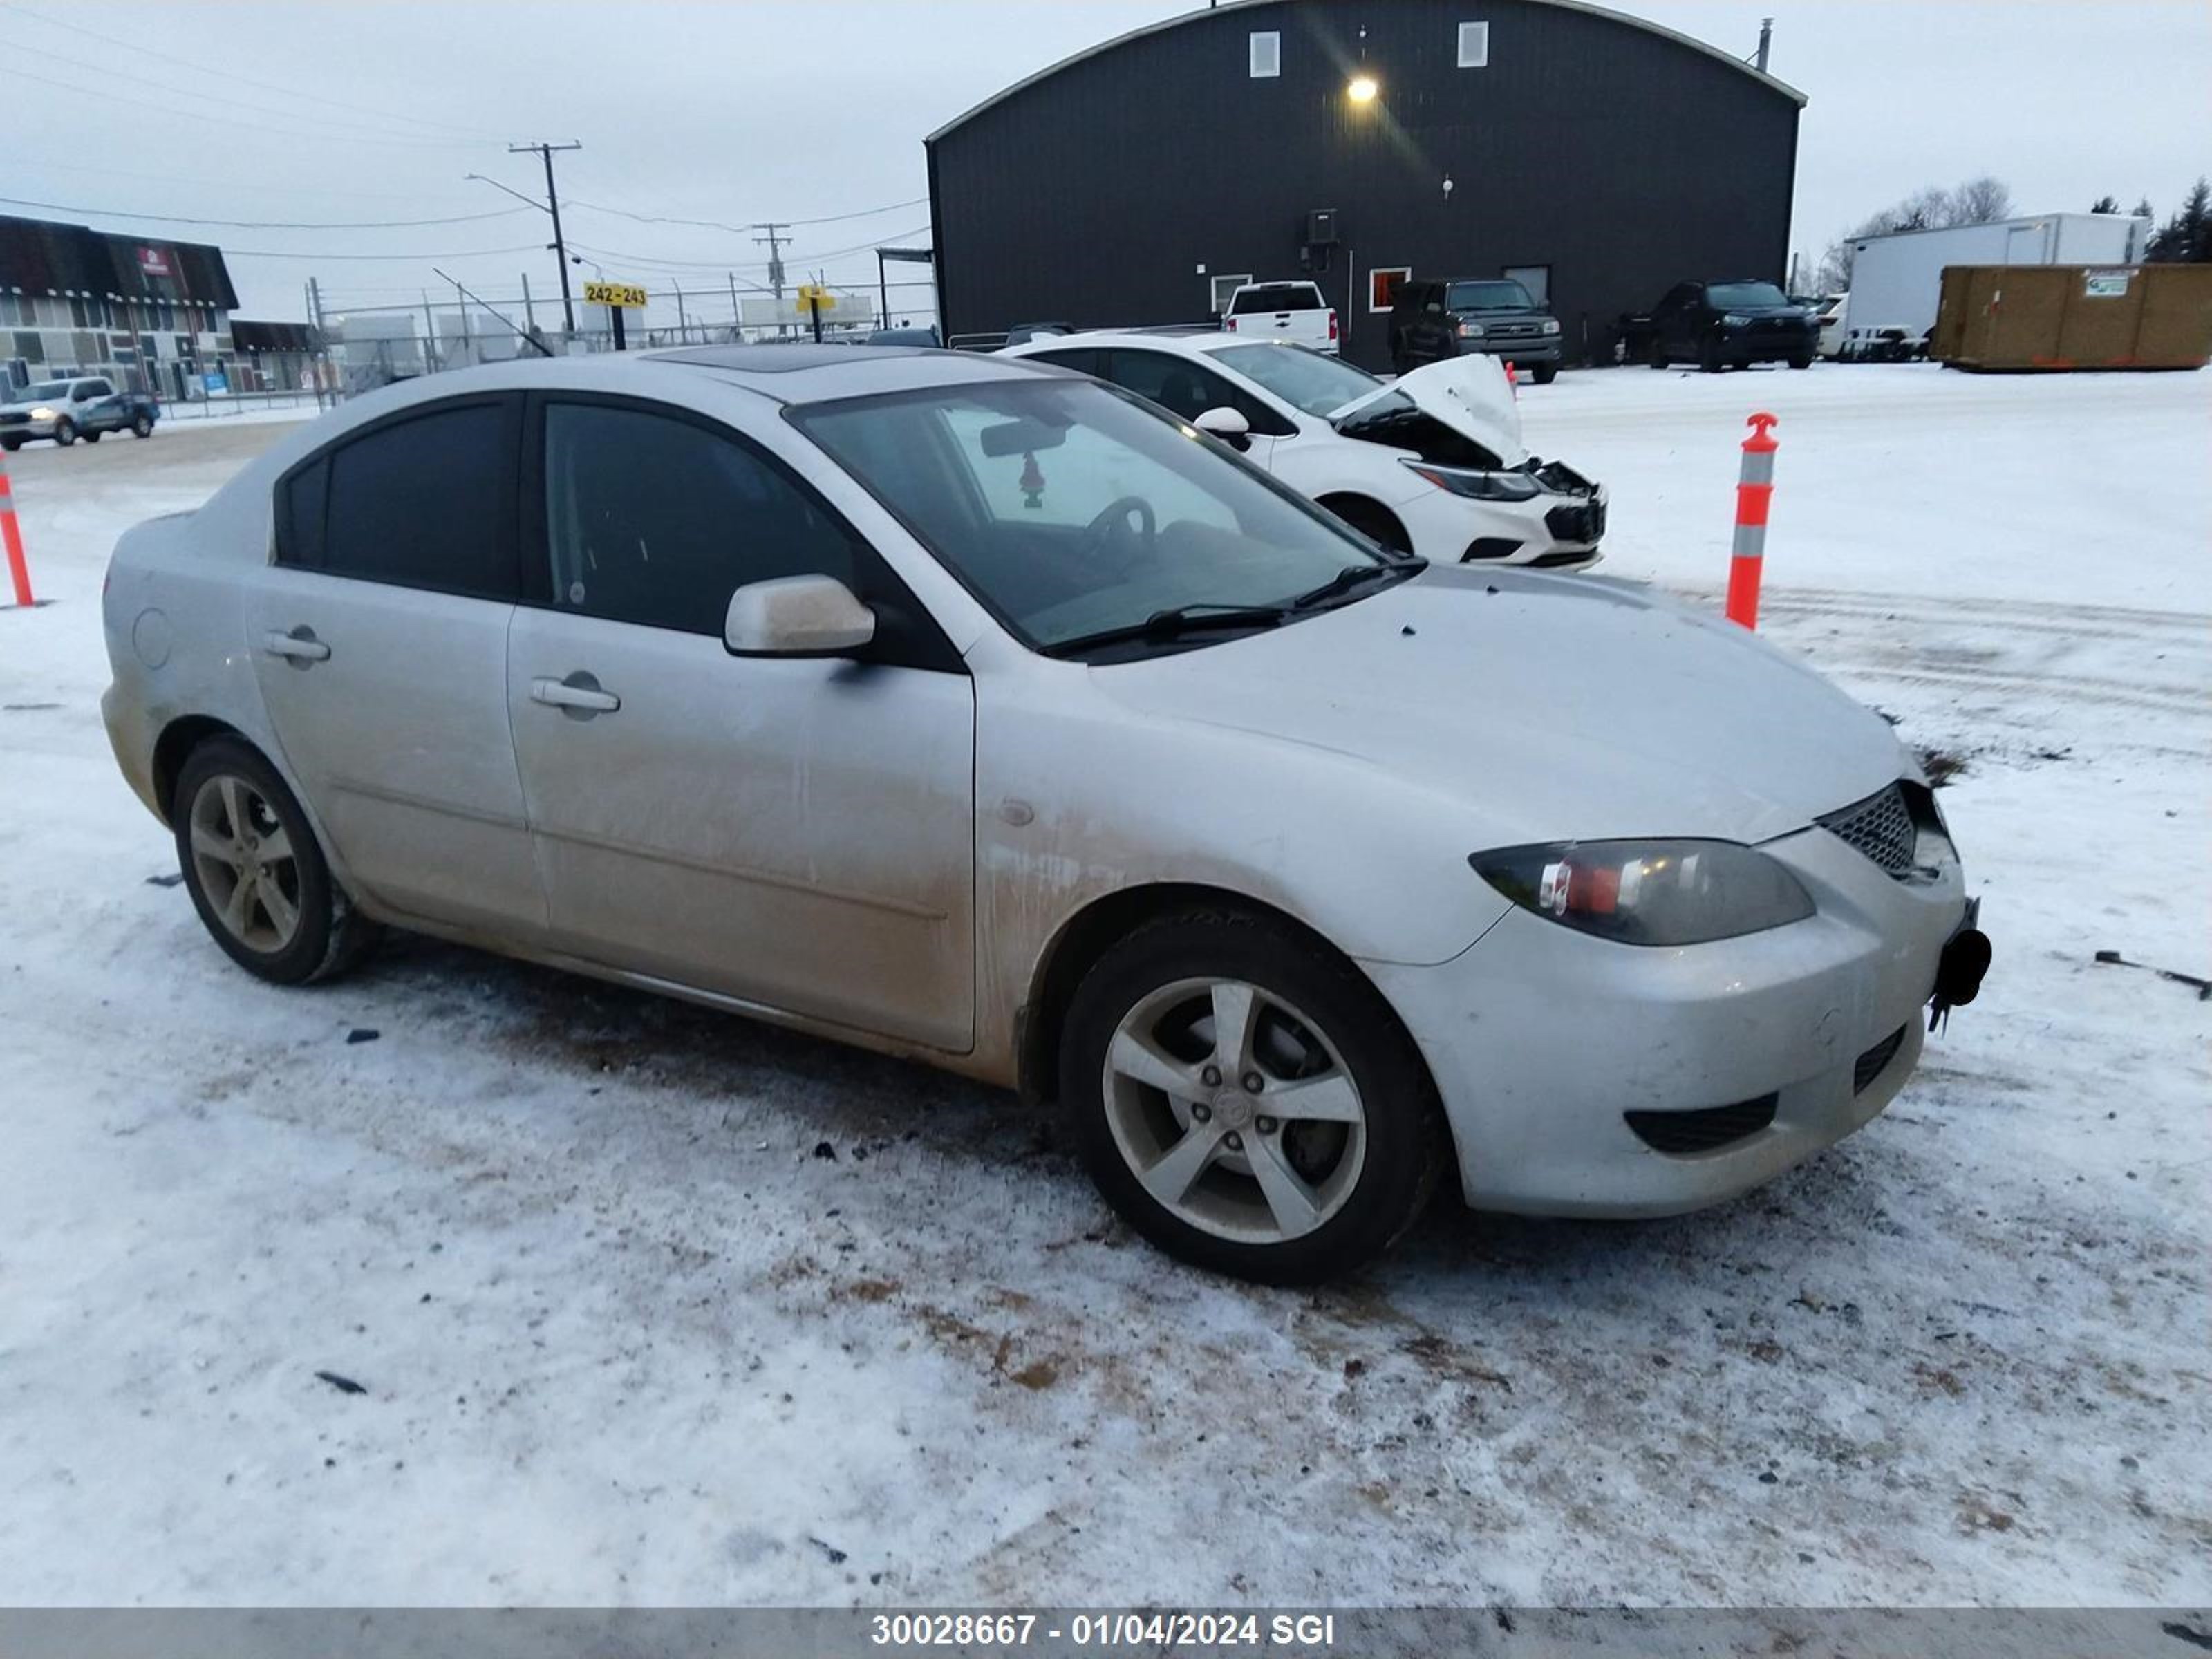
1553	708
1468	394
18	406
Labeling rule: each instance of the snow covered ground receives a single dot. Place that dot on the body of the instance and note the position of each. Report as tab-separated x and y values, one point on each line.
653	1305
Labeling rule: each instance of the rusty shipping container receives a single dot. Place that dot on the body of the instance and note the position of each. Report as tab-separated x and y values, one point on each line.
2063	317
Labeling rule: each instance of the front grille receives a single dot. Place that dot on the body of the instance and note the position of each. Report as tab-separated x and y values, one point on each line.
15	420
1682	1133
1875	1061
1581	521
1881	826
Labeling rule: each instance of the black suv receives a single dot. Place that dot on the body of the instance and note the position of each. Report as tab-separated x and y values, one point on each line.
1720	326
1494	316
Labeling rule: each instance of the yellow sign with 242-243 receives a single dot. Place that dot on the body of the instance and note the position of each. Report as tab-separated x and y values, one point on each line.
625	295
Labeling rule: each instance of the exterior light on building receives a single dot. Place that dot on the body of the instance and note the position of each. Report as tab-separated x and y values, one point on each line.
1362	89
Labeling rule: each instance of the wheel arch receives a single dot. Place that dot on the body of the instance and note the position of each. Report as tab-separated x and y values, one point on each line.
1112	917
174	747
1357	508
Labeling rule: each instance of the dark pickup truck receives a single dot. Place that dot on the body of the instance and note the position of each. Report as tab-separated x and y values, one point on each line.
1720	326
66	410
1494	316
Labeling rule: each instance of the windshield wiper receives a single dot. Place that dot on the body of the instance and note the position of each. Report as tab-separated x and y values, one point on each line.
1349	578
1173	624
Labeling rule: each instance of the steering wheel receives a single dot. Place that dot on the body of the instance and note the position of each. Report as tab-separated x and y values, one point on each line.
1113	522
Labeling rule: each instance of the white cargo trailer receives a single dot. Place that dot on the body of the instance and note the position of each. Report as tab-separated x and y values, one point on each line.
1896	280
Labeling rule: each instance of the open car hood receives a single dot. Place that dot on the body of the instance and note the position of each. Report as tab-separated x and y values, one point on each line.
1468	395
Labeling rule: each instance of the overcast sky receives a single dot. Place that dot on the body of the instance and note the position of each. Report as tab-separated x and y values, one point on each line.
738	112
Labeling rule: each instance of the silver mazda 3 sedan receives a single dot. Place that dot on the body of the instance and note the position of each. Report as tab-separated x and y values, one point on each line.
976	712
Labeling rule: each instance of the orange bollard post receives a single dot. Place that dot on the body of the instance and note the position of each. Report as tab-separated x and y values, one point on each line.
1755	490
11	535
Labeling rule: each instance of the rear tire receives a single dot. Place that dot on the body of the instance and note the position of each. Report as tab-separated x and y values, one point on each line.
1371	519
91	437
1205	1169
141	425
255	873
64	432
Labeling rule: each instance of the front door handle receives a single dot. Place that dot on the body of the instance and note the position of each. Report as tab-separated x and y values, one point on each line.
580	696
298	648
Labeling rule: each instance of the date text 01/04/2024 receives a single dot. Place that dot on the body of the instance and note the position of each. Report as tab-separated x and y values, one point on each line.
1151	1631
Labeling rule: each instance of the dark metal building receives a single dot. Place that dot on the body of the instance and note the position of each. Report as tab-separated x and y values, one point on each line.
1599	157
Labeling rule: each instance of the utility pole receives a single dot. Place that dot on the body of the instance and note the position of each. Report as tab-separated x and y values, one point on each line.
1765	41
429	337
682	317
737	333
321	354
774	242
553	206
529	310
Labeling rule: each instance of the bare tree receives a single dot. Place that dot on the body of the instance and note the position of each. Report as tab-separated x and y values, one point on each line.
1976	201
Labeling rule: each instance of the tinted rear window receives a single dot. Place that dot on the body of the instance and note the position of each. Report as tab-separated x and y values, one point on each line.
1277	296
424	503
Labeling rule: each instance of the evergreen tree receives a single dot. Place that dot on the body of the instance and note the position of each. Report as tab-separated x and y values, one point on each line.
2105	205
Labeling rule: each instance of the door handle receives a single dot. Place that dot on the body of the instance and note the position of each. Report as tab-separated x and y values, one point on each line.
298	648
580	696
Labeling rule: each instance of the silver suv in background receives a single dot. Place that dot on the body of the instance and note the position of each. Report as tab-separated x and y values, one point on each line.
66	410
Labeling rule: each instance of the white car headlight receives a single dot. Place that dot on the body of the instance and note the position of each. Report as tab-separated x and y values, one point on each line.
1475	484
42	413
1649	892
1470	331
1735	319
1550	326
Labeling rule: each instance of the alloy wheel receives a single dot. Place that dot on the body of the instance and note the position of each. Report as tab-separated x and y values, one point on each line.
1234	1111
243	857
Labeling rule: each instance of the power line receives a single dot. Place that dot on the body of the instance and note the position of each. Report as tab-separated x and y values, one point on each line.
717	224
449	254
345	129
259	224
650	262
47	82
230	77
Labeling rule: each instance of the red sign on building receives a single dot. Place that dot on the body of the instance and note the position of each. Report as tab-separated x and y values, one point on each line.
154	261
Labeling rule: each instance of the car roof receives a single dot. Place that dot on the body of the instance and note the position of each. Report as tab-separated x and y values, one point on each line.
808	373
1196	338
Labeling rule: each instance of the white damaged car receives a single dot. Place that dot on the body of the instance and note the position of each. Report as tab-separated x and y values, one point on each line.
975	712
1432	464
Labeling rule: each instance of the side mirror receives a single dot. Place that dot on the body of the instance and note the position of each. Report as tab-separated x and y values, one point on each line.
1228	425
797	616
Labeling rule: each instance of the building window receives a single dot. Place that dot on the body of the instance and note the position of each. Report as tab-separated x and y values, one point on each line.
1223	287
1382	285
1266	55
1474	46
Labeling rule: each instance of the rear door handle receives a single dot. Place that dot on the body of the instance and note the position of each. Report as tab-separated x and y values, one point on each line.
580	696
300	647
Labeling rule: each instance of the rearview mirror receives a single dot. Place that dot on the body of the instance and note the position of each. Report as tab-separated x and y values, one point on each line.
1228	425
797	616
1021	437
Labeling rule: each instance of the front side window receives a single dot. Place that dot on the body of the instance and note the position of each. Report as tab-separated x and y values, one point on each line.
1305	380
424	501
46	391
1072	511
652	519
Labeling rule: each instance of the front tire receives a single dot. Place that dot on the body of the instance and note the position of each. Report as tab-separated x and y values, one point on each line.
1246	1101
1545	373
64	432
1709	357
1658	356
255	873
11	445
1801	362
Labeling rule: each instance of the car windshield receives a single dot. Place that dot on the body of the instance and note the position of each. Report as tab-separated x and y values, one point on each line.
46	391
1726	295
1305	380
1489	296
1073	511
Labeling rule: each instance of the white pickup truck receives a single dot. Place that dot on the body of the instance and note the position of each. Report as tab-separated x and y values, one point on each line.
1283	311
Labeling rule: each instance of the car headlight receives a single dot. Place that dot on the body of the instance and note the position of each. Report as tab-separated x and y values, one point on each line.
1735	319
1550	326
42	413
1470	331
1649	892
1478	485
